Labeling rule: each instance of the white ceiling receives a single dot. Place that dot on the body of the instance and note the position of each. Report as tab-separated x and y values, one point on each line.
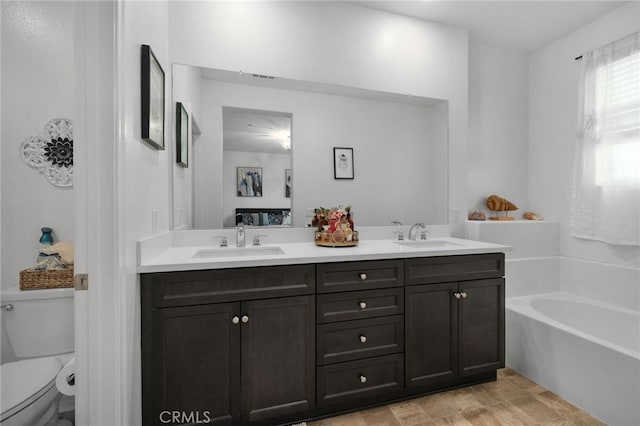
251	130
515	24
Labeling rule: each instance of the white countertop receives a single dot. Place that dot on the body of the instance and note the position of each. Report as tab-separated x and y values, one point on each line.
182	258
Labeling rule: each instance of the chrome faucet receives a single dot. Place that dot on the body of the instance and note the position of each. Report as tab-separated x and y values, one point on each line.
240	236
413	227
256	239
400	233
223	241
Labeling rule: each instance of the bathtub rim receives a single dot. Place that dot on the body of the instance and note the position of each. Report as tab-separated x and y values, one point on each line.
576	259
522	305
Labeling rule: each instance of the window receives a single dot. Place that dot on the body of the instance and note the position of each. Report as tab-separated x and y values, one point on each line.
606	186
618	104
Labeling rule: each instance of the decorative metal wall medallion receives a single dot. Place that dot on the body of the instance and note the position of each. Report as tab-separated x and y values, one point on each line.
51	153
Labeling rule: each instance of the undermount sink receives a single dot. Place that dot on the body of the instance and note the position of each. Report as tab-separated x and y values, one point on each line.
237	252
426	244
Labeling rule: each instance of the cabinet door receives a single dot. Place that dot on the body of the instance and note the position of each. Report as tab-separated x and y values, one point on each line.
278	357
431	337
481	326
195	365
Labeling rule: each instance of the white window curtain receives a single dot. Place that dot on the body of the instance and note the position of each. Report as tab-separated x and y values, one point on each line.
606	173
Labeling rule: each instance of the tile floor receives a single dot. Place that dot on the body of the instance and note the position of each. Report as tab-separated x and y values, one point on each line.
511	400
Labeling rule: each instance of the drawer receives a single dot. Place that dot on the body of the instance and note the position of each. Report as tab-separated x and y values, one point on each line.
354	380
350	340
359	304
454	268
349	276
168	289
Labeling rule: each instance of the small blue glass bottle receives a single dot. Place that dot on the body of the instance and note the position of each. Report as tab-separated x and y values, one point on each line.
46	237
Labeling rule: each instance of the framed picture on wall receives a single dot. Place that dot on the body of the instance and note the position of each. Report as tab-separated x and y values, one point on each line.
343	163
182	135
152	97
287	183
249	181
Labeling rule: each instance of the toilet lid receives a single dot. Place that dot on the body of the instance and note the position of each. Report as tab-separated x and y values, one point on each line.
25	380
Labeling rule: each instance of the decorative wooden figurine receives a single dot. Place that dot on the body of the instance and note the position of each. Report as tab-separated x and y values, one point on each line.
498	204
532	216
477	215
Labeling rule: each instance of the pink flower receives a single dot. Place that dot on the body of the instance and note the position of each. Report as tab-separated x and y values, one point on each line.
336	214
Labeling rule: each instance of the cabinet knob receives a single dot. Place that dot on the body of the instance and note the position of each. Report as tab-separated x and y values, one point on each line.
363	305
235	319
363	378
363	339
245	319
363	276
457	295
463	294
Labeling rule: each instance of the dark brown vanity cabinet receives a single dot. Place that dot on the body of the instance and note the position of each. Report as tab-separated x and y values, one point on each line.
360	332
454	330
282	344
194	364
228	363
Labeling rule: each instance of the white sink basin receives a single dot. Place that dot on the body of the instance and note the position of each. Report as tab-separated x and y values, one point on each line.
237	252
428	244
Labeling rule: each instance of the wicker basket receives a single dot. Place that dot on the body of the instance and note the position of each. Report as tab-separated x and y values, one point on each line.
35	280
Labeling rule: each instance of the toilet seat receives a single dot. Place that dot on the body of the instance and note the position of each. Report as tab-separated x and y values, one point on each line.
30	379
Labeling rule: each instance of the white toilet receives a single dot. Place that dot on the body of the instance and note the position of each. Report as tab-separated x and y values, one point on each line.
39	325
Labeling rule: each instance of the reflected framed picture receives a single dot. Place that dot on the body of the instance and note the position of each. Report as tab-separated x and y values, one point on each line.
288	182
343	163
152	98
249	181
182	135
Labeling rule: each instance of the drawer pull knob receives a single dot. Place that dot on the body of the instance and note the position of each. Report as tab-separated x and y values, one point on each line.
363	276
457	295
363	339
235	320
463	294
363	379
363	305
245	319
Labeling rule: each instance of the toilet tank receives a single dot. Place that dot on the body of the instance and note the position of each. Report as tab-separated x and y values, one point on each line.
41	321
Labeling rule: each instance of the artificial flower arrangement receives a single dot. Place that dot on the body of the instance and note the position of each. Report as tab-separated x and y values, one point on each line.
334	227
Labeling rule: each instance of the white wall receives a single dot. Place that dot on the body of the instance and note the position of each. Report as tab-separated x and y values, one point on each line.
334	43
37	82
436	167
498	126
143	184
391	143
185	88
37	86
553	106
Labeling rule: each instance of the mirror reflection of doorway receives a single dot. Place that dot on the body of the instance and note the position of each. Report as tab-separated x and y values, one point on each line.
257	171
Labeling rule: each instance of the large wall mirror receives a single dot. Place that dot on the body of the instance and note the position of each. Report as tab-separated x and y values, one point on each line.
264	153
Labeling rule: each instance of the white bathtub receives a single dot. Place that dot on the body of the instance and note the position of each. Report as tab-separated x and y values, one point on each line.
574	327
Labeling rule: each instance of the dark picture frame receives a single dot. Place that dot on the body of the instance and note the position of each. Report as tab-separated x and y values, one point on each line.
288	183
182	135
343	163
152	98
249	181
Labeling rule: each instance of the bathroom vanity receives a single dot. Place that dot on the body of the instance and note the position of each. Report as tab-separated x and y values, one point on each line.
284	343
